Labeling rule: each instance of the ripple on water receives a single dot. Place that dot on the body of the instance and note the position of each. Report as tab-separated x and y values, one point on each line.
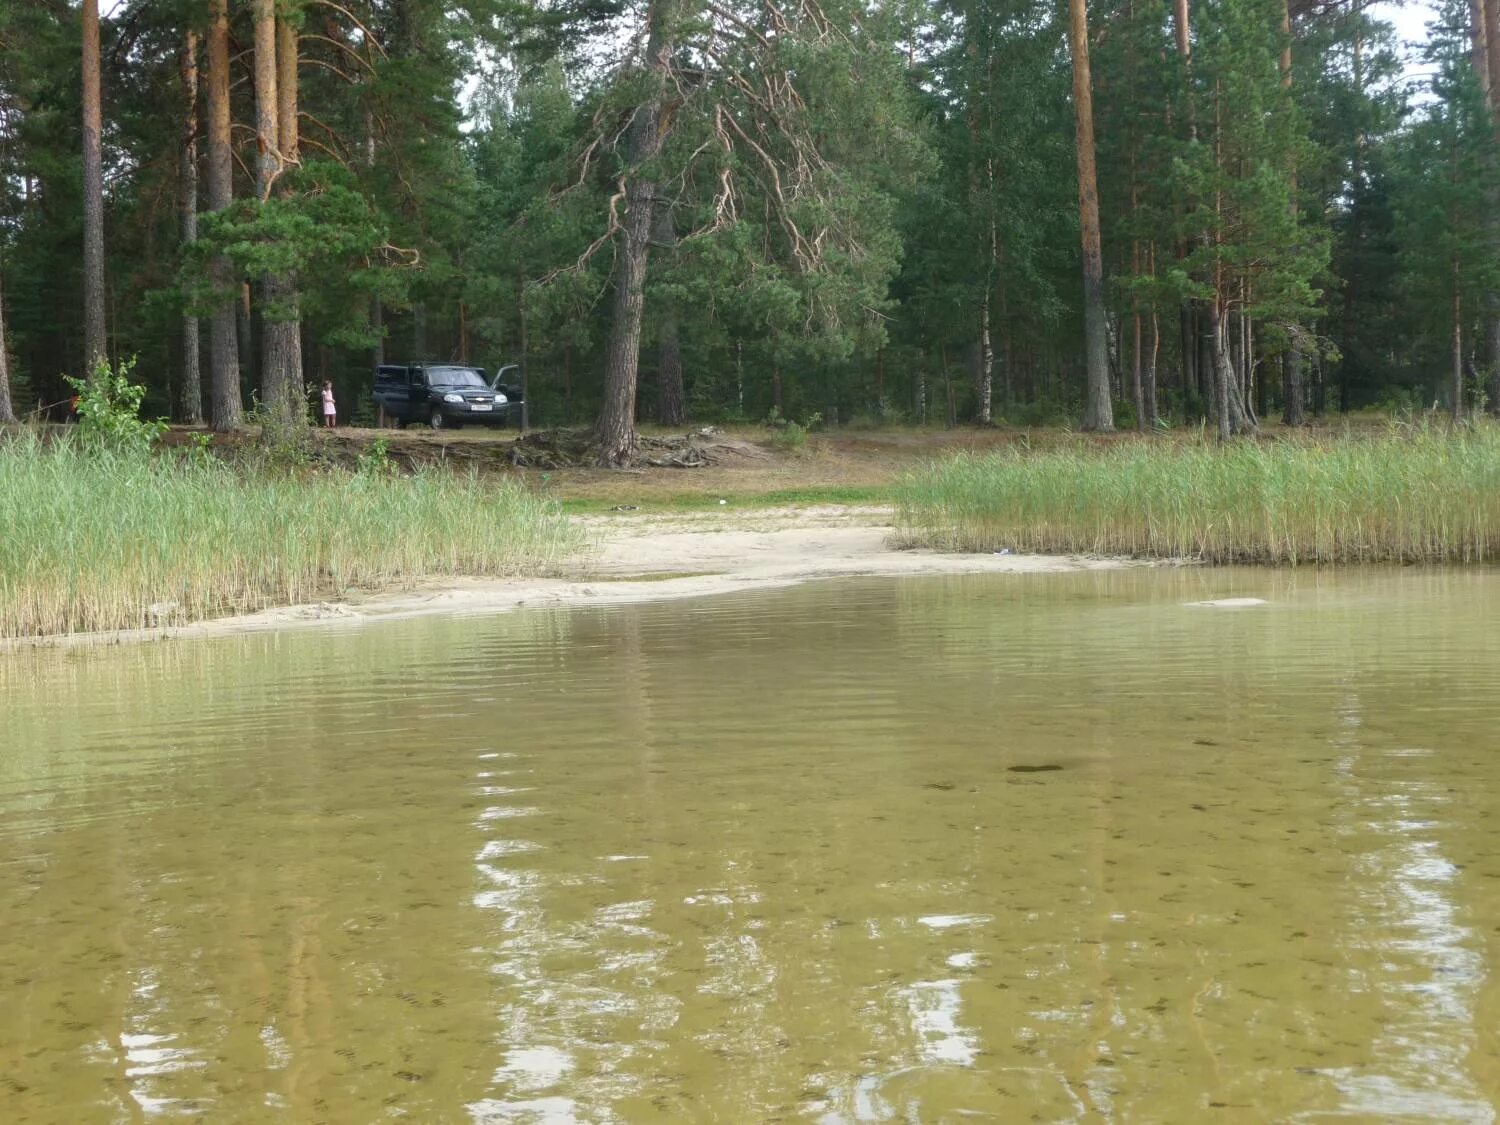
772	855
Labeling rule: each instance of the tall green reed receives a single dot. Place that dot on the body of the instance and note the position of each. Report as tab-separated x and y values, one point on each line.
1415	494
100	539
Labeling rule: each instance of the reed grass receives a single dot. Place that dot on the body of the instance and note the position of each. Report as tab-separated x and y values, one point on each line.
1412	494
91	540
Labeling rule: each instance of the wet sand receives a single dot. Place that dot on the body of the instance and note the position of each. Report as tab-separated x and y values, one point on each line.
648	557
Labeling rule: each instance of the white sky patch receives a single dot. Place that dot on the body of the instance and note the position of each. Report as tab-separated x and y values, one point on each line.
1410	20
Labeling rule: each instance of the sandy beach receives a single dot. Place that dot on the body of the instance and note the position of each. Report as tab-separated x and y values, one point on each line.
637	557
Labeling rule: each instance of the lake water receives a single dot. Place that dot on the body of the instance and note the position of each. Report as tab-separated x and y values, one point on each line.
1056	847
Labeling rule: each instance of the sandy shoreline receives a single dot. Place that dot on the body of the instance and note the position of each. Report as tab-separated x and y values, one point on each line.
639	558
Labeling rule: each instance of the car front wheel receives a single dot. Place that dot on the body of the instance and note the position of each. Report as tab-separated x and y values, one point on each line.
440	421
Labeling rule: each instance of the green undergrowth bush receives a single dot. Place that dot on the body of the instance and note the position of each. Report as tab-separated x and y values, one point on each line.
104	536
1412	494
787	435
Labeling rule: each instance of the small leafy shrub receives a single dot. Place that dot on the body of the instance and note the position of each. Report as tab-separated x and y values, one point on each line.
1398	401
790	438
109	411
787	435
1044	412
197	448
375	460
280	449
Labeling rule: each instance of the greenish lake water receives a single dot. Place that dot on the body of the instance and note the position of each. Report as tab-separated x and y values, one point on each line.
1009	848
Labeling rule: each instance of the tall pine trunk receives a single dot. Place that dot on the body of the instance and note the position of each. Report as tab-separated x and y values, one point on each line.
263	12
671	405
94	346
615	438
377	311
223	333
275	111
284	336
1292	411
1293	393
1192	371
1488	43
1098	413
190	392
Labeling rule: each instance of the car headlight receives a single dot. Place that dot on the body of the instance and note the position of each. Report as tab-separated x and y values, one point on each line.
500	400
453	398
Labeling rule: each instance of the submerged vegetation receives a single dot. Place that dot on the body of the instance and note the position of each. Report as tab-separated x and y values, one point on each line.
1422	494
98	538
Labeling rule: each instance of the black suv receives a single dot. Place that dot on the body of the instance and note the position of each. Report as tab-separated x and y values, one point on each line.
443	395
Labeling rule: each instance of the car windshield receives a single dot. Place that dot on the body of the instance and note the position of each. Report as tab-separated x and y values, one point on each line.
455	377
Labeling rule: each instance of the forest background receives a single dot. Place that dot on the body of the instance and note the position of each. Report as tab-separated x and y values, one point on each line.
1135	213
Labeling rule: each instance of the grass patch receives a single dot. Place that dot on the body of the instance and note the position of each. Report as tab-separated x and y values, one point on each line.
1417	494
93	540
709	501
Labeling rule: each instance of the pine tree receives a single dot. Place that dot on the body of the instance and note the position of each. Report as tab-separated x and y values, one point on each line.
1449	262
758	123
615	432
224	361
1253	262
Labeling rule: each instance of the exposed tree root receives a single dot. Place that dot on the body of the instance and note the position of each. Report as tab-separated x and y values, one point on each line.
561	449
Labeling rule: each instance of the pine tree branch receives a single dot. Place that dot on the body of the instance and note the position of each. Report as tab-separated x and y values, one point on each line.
352	18
326	65
348	50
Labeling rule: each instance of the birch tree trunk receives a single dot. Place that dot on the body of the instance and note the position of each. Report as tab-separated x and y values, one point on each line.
94	346
190	392
615	438
1458	345
224	361
1149	378
1137	383
1223	376
7	412
984	366
1098	413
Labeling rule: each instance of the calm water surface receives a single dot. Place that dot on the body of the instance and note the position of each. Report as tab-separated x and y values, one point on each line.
997	848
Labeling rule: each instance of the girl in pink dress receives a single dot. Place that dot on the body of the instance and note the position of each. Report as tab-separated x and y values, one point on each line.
330	413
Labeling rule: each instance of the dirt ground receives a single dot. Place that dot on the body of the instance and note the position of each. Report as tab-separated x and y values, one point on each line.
843	466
